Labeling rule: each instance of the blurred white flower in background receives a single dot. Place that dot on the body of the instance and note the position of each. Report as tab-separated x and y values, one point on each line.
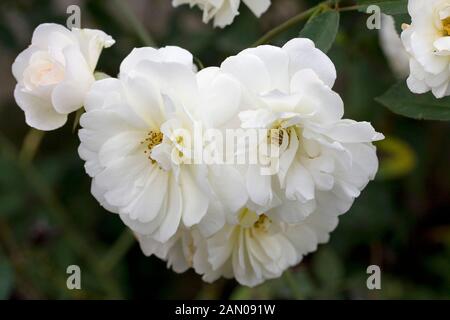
55	72
393	49
427	40
224	11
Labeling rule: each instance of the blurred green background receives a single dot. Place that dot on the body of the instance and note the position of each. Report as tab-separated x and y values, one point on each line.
49	220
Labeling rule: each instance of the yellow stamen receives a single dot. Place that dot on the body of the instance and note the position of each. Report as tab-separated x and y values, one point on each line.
446	26
263	223
250	219
153	139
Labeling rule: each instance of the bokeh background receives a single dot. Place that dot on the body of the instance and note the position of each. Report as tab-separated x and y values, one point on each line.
49	220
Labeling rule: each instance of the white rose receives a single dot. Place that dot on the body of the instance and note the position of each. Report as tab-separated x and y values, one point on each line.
325	161
128	136
251	250
258	248
54	73
178	251
224	11
427	41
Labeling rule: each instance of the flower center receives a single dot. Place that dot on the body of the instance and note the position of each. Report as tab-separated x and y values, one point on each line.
263	223
249	219
43	73
277	134
446	26
153	139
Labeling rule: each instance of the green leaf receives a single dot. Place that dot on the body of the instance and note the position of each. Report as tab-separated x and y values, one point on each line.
401	101
391	7
322	29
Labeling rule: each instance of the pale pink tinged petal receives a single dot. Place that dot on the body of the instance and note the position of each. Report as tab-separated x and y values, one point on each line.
39	113
21	63
51	35
69	95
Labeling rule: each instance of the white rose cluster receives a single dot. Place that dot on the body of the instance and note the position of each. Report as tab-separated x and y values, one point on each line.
221	219
325	163
427	40
224	11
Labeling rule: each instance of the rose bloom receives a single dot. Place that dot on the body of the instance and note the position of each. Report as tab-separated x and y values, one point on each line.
427	41
224	11
133	127
54	73
251	250
324	163
324	160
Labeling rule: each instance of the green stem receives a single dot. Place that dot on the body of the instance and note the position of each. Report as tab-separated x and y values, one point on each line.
293	285
270	35
285	26
117	252
60	214
134	22
76	121
30	145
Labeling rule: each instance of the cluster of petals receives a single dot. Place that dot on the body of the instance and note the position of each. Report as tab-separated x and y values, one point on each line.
229	221
222	220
